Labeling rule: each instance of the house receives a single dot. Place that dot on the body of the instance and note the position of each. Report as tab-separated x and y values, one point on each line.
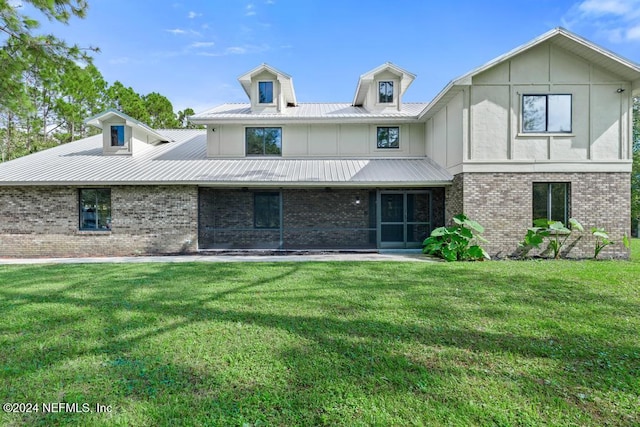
542	131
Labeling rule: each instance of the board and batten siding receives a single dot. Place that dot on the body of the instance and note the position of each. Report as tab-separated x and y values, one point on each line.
320	140
491	118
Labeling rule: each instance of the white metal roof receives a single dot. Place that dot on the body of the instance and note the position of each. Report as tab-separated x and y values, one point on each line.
184	162
307	112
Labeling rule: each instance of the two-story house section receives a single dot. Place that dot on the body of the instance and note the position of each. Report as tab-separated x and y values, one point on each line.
310	175
542	131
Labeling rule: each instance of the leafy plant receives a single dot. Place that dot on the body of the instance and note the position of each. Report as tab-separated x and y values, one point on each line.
557	233
454	243
533	239
602	240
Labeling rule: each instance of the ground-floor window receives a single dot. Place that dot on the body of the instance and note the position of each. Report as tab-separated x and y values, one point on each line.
266	210
551	201
95	209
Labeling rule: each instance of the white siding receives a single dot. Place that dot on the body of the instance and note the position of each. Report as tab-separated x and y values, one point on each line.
321	140
495	116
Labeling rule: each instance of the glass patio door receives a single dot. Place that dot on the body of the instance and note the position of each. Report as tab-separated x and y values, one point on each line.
405	218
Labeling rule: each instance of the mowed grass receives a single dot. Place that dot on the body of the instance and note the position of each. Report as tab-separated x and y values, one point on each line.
493	343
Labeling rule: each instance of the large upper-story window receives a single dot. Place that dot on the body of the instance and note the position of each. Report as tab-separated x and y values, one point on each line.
389	137
385	92
263	141
546	113
265	92
95	209
551	201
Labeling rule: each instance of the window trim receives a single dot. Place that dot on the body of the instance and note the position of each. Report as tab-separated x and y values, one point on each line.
272	102
393	92
378	147
118	128
257	194
549	198
81	213
525	132
264	154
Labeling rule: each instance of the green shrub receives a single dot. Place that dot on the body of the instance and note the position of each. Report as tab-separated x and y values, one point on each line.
454	243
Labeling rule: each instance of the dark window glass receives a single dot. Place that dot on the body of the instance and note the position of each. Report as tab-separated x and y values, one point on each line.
551	201
266	210
385	90
388	137
117	136
95	209
265	92
546	113
264	141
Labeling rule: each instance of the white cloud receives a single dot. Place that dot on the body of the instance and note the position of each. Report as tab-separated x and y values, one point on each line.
604	7
616	20
270	2
236	50
198	45
180	31
634	33
250	10
193	14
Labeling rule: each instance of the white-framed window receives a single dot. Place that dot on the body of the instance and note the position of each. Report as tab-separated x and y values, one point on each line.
546	113
388	137
265	92
263	141
385	92
117	135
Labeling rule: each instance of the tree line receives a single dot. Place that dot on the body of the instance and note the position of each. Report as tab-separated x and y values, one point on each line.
48	88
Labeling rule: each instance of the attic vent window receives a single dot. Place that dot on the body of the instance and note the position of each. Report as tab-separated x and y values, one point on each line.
265	92
117	136
385	91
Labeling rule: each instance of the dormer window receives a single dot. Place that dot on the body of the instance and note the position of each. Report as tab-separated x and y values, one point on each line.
117	136
385	92
265	92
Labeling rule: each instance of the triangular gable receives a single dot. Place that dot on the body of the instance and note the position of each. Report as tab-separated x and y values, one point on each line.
562	38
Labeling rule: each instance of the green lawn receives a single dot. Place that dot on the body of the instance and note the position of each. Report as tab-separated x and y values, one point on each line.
493	343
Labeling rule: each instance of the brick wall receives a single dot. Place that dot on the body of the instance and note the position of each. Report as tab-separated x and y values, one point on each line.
312	218
43	221
502	203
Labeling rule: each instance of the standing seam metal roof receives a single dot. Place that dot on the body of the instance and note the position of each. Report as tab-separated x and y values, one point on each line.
185	162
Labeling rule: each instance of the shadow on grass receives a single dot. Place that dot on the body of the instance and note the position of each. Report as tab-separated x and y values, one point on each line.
361	335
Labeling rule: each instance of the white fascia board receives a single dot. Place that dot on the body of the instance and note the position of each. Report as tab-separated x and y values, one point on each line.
231	184
304	120
547	166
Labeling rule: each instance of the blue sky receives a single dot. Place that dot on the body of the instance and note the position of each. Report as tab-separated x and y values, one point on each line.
193	51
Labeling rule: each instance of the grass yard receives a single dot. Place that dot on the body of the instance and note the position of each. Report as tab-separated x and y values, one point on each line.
494	343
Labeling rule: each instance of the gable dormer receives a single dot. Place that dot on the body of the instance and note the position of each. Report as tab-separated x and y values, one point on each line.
122	134
382	88
270	90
